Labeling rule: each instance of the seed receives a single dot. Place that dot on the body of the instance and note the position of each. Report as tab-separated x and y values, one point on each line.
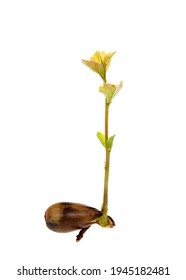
66	217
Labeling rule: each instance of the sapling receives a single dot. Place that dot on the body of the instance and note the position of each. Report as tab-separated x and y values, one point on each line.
67	216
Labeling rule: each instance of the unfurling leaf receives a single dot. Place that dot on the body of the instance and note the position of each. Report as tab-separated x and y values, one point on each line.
96	67
110	90
101	138
110	142
99	63
103	58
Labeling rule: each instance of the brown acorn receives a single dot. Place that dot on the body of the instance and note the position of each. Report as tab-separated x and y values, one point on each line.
66	217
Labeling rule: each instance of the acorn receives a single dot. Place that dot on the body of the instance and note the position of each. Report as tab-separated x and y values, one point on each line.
67	216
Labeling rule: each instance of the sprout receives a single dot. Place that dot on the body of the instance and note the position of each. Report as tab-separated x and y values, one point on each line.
67	216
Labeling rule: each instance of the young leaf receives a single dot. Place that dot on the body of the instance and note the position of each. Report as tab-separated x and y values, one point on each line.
110	90
99	63
96	67
101	138
110	142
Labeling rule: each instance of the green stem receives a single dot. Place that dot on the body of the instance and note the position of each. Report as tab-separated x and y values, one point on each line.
104	208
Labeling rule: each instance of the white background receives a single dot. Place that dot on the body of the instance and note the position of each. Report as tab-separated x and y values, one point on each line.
50	112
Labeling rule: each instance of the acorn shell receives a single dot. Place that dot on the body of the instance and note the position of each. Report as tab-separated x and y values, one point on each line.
67	216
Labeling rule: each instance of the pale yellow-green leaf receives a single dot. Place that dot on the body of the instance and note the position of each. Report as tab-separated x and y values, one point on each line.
108	59
101	138
110	90
96	57
110	142
118	88
99	63
103	58
94	66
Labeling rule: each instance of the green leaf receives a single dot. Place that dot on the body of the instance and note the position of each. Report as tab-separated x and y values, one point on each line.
99	63
110	142
101	138
110	90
